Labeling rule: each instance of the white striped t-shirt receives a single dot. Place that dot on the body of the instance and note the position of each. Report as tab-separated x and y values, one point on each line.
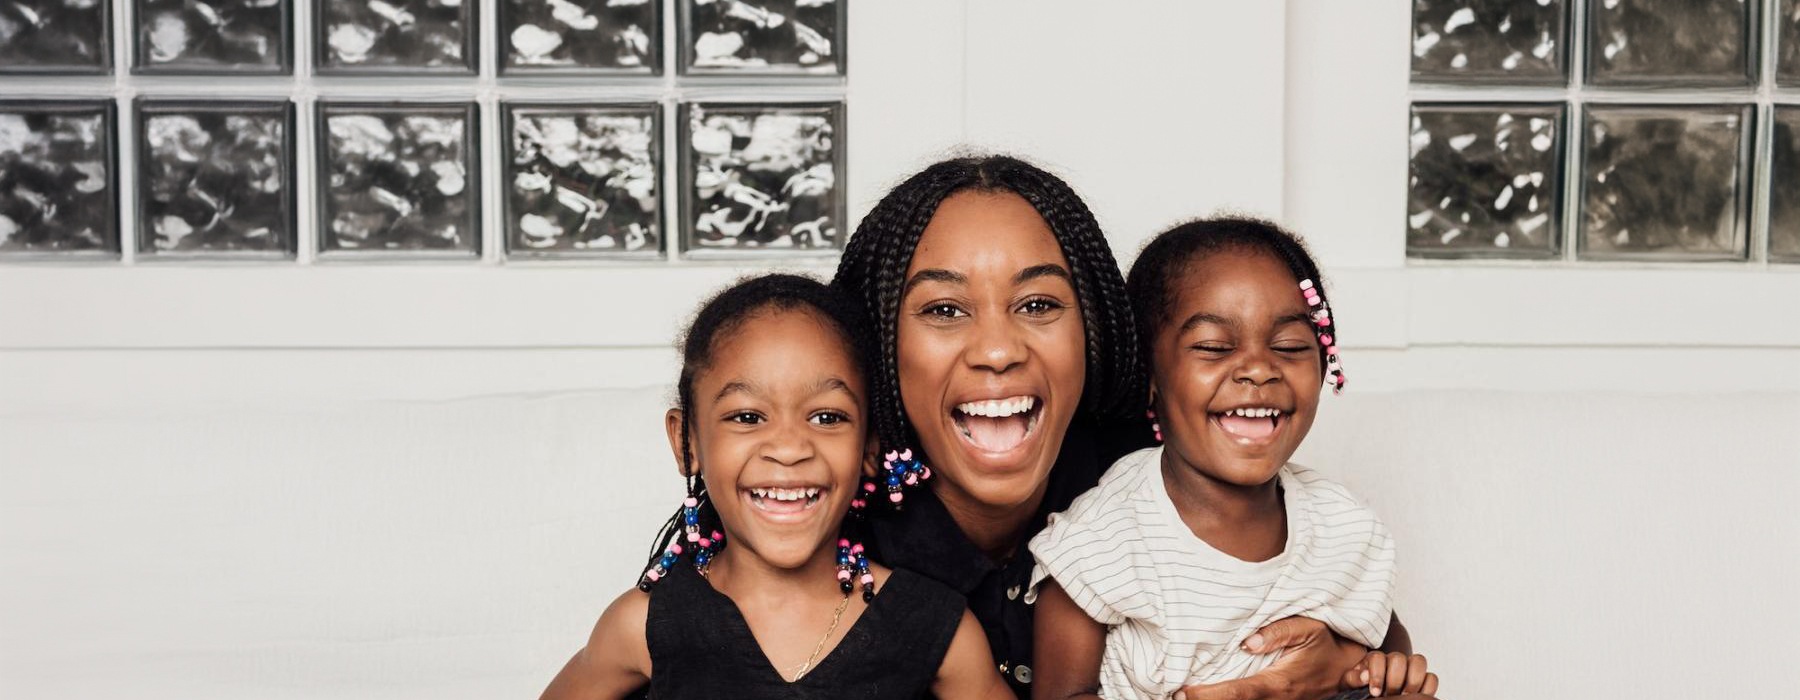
1178	609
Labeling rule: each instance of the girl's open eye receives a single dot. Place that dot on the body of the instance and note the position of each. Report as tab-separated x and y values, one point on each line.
830	418
744	418
1038	306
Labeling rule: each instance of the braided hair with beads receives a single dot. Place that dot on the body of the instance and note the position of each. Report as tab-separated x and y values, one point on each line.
1167	255
695	529
874	264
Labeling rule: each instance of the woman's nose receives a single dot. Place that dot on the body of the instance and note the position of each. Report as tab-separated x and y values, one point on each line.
996	345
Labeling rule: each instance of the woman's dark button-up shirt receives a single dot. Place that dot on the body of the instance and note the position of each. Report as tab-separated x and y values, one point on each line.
922	537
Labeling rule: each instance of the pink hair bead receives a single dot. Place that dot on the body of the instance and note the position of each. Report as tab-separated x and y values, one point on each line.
895	497
1326	339
691	502
705	542
693	537
653	574
676	548
843	543
1306	284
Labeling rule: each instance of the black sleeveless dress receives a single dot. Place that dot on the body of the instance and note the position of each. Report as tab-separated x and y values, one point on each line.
701	647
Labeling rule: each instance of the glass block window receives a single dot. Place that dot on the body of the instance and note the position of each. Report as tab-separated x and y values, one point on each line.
450	132
1605	130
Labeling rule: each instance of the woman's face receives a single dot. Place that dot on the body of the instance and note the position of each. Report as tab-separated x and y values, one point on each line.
991	349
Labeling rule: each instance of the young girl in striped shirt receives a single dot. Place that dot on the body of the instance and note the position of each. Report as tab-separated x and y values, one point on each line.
1155	580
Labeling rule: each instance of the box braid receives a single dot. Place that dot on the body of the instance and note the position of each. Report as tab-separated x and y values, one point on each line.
874	264
1168	255
725	313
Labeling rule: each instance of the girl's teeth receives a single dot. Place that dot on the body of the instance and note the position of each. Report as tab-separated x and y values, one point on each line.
998	408
786	494
1254	412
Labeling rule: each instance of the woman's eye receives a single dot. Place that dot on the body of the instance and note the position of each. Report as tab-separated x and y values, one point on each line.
830	418
944	311
744	418
1040	306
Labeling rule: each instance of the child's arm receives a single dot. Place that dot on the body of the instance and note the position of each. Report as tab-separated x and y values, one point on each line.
616	659
968	668
1067	646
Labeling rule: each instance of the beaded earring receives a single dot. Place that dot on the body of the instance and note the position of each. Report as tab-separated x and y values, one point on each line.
1155	427
1321	316
901	469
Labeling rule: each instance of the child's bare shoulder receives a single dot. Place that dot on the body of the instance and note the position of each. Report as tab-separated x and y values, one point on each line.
622	624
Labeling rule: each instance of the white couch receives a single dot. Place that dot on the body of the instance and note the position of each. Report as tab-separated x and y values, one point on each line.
1554	545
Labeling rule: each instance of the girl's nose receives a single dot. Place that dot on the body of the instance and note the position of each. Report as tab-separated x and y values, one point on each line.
789	445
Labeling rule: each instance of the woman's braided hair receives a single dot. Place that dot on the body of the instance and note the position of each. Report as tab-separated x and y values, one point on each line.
1151	284
725	313
874	264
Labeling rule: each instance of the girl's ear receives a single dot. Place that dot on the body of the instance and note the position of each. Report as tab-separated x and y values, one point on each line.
672	424
871	456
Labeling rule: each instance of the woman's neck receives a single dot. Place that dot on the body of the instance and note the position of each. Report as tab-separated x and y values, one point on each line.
997	531
1246	522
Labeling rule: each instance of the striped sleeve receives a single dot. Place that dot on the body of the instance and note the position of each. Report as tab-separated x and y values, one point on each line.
1096	553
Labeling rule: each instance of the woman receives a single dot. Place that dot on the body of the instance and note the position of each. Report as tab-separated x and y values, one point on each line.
1006	359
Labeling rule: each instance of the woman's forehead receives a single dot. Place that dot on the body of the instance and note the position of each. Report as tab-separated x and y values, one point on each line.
981	234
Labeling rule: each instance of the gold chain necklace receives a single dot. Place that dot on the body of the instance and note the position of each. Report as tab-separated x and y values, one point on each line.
808	664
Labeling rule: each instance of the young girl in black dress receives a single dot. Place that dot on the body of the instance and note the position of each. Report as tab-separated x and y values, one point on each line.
772	434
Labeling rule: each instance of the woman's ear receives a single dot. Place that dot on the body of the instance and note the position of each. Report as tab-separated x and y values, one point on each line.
672	424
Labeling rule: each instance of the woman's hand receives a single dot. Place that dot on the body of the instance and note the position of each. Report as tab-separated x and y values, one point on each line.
1312	663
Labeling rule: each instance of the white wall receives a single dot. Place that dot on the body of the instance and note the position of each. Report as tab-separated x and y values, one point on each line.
420	481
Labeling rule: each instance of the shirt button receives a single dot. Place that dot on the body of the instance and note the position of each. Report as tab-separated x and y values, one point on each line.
1013	594
1023	673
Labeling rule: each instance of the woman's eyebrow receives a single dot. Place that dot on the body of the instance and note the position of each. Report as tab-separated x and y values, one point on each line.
1044	270
933	274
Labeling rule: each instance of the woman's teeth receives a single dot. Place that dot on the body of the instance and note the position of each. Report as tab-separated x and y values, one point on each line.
997	425
998	408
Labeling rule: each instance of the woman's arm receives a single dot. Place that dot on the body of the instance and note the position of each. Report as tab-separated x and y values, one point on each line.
1067	647
968	667
616	659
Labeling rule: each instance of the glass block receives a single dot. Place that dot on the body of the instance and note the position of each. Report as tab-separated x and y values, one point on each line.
399	178
1665	182
762	177
581	181
1671	42
1489	41
217	36
68	37
580	37
395	37
58	190
215	179
1784	186
1787	42
1486	181
762	37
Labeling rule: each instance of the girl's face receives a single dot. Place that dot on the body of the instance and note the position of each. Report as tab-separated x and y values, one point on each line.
1236	368
991	350
779	434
